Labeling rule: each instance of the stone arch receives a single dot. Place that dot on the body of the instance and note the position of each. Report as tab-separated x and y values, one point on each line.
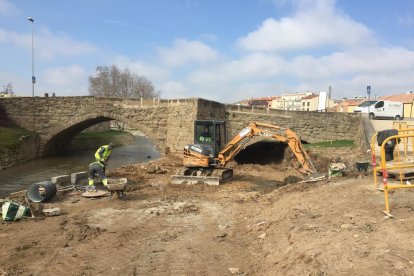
59	137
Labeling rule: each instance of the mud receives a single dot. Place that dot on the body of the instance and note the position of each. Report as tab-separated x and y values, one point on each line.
261	223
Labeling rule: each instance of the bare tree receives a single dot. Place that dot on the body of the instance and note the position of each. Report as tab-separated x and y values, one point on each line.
110	81
8	89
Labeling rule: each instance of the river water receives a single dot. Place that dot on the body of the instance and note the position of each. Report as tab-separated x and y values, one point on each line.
20	177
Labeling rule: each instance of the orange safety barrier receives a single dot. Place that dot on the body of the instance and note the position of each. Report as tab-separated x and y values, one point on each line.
398	164
407	149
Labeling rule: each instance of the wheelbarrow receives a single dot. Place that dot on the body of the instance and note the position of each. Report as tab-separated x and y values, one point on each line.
117	186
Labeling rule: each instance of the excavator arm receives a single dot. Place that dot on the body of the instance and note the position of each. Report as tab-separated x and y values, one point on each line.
277	133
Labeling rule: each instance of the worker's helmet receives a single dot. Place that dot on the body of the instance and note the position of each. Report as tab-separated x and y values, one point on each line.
110	146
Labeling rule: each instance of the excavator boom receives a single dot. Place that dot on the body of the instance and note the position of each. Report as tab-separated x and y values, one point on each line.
277	133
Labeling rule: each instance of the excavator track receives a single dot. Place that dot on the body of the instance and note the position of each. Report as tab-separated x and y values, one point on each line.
187	176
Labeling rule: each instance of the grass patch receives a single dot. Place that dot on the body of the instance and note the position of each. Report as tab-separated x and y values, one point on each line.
108	134
9	136
332	144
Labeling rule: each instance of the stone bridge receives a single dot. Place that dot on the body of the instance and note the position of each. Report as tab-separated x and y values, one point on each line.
168	123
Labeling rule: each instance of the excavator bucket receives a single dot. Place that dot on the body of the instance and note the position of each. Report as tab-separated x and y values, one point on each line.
217	177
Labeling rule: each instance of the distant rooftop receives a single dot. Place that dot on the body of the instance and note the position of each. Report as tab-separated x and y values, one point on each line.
311	96
404	98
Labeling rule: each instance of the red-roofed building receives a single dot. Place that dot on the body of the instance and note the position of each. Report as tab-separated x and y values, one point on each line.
261	102
349	105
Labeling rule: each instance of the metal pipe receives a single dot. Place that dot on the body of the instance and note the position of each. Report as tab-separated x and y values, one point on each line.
33	76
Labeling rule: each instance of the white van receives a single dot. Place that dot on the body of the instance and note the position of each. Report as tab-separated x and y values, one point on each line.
382	109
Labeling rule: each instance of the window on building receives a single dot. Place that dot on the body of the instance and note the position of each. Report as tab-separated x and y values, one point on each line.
308	104
303	104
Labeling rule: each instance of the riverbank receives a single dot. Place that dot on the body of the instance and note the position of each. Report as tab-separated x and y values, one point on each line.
17	145
256	224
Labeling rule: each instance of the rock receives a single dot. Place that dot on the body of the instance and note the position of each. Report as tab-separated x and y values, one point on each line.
262	236
234	270
222	235
52	212
291	179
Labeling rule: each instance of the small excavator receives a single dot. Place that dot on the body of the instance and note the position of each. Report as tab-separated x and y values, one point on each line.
205	161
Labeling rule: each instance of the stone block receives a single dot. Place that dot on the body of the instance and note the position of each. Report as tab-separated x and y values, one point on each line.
75	177
61	180
52	212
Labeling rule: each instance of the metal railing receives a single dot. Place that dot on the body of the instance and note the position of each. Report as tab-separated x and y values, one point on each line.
399	167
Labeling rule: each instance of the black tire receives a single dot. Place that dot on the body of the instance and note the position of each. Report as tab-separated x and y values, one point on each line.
398	118
371	116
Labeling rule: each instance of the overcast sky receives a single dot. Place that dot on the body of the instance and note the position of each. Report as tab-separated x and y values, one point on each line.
223	50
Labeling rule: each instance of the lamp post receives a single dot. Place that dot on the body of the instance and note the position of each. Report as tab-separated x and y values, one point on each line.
33	76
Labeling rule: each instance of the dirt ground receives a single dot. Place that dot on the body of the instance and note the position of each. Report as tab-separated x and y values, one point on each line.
257	224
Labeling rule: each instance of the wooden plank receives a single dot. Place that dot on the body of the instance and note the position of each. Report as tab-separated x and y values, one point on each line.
403	174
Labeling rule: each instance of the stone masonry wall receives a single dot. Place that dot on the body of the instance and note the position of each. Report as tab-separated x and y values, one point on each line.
310	126
25	150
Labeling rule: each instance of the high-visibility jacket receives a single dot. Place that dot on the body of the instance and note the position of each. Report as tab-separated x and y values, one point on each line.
103	153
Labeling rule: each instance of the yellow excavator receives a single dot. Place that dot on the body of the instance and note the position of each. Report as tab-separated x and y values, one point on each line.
205	161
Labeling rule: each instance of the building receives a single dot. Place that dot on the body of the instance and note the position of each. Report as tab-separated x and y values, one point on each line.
290	101
310	102
265	102
5	95
349	105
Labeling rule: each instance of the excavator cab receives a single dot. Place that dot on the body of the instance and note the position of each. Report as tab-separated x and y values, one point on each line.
212	133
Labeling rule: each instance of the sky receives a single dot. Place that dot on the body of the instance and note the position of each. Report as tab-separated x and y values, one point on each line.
222	50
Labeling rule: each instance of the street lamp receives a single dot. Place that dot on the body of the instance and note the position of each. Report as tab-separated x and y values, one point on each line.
33	76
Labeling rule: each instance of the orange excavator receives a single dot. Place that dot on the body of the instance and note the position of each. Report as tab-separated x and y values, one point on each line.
205	161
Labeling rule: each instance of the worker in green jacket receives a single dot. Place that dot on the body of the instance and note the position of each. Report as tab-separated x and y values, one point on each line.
205	136
96	169
103	153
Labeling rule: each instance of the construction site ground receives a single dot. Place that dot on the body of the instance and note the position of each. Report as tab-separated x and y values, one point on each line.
261	223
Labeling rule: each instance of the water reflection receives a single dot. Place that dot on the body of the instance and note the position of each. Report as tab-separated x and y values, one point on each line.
19	177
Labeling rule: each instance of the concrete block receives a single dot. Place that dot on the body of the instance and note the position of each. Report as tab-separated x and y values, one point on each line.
75	177
61	180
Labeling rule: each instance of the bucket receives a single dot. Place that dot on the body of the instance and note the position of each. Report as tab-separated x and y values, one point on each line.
41	191
362	166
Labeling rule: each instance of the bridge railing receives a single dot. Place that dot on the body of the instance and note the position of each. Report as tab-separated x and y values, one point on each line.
144	102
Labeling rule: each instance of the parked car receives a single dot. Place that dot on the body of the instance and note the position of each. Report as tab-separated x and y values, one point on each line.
382	109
